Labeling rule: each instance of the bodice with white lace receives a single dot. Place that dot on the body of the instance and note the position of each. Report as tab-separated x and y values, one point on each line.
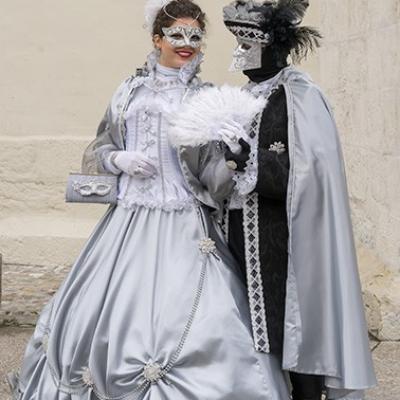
147	121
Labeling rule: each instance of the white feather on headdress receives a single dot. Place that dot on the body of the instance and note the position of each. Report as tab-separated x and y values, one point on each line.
200	117
151	9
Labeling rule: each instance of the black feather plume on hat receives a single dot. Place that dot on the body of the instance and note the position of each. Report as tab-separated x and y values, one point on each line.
281	21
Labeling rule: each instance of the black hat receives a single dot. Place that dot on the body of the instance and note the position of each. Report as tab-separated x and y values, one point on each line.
275	24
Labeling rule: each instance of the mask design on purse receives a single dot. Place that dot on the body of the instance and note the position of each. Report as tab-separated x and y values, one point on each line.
92	188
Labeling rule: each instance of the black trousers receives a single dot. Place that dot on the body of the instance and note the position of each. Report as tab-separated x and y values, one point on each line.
306	387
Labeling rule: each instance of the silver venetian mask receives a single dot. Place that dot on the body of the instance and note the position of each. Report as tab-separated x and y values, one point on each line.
184	36
246	56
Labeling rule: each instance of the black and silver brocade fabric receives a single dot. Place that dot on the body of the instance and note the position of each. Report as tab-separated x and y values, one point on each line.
272	188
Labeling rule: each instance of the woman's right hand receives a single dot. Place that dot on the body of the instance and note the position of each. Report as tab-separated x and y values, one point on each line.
134	164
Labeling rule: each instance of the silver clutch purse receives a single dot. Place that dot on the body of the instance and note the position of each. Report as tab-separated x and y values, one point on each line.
83	188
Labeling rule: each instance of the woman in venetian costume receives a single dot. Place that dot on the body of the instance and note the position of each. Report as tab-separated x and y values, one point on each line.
152	308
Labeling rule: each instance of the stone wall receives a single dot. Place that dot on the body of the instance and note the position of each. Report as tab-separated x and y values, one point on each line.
359	71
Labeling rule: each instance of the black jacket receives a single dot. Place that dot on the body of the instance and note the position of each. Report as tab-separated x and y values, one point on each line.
273	231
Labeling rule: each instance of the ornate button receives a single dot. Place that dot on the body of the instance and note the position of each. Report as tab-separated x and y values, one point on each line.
277	147
87	377
207	246
153	372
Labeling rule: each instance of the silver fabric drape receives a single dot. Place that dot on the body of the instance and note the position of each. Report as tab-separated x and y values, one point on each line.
325	328
125	305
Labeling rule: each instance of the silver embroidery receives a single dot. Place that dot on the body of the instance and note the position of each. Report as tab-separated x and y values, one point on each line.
245	182
246	56
182	36
277	147
225	222
253	270
252	250
252	34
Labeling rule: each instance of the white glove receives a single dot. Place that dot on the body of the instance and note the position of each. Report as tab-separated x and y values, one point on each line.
134	164
230	133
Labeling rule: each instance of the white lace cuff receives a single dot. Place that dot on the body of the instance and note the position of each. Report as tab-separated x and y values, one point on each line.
108	163
246	181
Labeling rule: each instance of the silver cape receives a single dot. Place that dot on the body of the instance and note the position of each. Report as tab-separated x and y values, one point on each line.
325	327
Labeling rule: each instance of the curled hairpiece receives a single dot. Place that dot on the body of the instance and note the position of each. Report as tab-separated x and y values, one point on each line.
281	20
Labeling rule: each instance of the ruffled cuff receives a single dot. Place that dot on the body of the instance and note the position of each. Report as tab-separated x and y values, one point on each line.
246	181
109	165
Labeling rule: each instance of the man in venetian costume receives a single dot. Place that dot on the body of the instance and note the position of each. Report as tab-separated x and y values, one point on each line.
289	220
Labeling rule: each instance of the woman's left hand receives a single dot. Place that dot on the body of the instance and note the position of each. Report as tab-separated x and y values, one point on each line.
231	132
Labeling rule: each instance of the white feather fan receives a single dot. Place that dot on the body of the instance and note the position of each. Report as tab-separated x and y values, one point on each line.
199	119
151	10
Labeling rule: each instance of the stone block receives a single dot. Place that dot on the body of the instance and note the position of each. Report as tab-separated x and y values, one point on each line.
382	13
330	67
373	137
357	160
382	57
388	239
45	240
364	226
38	252
353	67
34	172
358	15
27	288
381	289
387	366
334	20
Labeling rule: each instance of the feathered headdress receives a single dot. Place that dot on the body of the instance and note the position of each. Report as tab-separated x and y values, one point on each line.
151	9
279	21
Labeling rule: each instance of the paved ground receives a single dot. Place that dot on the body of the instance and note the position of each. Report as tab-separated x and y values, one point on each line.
386	356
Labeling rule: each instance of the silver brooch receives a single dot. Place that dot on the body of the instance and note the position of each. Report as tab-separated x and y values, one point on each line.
87	377
207	246
277	147
153	372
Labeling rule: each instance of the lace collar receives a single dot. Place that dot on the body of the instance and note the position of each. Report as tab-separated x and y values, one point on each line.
264	87
186	73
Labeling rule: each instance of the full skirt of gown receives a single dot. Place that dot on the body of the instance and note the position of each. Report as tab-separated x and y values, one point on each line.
151	310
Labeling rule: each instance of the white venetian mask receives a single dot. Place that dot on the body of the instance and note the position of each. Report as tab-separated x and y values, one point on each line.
246	56
183	36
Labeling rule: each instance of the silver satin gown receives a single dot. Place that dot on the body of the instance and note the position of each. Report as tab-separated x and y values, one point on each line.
153	308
